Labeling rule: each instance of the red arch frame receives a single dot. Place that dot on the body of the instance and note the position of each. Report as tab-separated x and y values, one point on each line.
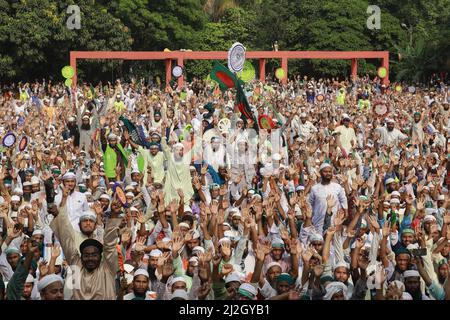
180	56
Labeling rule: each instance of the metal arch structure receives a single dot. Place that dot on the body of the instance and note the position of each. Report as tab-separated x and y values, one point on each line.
181	56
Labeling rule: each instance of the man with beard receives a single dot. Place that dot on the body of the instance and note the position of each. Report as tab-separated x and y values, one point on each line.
319	194
417	126
178	173
140	287
21	283
305	128
98	263
73	131
347	137
76	201
152	264
412	285
389	134
86	131
113	156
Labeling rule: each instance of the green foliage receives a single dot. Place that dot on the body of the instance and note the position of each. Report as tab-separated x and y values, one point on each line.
35	42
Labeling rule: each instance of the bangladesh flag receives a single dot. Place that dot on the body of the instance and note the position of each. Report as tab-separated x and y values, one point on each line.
135	134
223	76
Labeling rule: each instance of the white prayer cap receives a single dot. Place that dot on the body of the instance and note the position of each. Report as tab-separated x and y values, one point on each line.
303	115
128	268
429	218
226	224
112	136
156	253
277	243
441	197
47	280
324	165
141	272
315	237
228	234
184	225
177	279
395	194
198	249
389	120
411	273
248	288
196	235
180	294
341	264
193	261
68	176
129	194
135	170
334	287
133	208
233	276
88	215
30	279
273	264
37	232
15	198
26	183
71	119
85	117
105	196
300	188
129	187
224	239
18	191
390	180
178	146
345	116
394	201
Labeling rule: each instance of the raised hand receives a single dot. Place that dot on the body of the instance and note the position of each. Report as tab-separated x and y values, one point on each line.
177	242
56	251
139	245
227	268
226	249
204	169
173	206
98	208
43	269
318	270
339	218
180	193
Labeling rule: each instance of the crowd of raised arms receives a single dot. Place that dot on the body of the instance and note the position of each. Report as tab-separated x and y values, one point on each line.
328	190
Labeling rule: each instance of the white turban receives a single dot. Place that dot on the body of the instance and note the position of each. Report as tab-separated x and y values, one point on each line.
324	165
411	273
141	272
48	280
334	287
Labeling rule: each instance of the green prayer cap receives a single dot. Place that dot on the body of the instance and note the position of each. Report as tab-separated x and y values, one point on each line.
411	231
285	277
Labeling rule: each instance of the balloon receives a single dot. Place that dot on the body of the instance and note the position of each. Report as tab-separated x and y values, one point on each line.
382	72
68	82
280	74
398	88
67	72
248	73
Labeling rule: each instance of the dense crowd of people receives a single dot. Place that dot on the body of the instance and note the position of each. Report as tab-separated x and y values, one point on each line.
131	192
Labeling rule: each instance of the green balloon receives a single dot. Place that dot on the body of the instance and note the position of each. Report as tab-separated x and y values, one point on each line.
67	72
248	72
68	82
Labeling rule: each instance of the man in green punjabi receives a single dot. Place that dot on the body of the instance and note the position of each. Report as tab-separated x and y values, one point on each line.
113	156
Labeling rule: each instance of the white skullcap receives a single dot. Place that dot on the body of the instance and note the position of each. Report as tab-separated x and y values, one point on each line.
37	232
105	196
233	276
411	273
88	215
341	264
198	249
18	191
85	117
112	136
179	293
30	279
178	279
273	264
184	225
26	183
34	180
15	198
129	194
334	287
390	180
69	175
141	272
156	253
315	237
129	187
303	115
71	119
345	116
324	165
300	188
135	170
228	234
222	240
389	120
441	197
194	261
248	288
395	194
394	201
429	218
47	280
178	146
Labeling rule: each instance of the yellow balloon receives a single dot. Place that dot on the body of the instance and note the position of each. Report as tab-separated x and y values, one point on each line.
167	50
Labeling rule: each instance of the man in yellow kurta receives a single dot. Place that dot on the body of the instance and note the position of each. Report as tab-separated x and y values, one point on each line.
178	174
97	264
